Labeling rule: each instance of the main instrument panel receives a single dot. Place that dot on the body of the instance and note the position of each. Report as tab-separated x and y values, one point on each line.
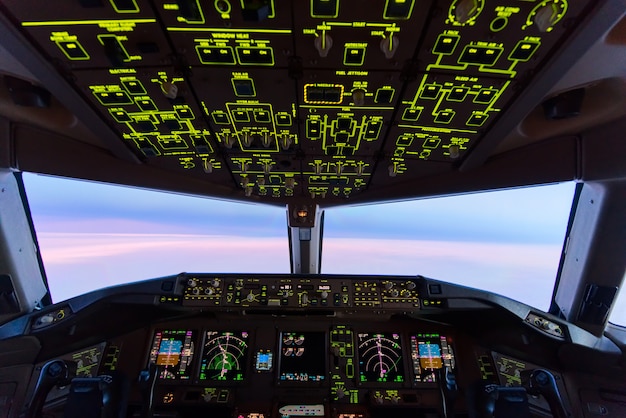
290	101
264	345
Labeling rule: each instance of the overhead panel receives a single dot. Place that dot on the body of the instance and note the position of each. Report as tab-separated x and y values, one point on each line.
279	101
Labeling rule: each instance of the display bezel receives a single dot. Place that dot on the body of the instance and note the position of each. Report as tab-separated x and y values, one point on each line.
279	359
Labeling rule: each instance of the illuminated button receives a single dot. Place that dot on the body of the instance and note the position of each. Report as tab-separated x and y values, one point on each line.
172	124
200	144
485	96
145	104
262	116
404	140
457	94
144	126
411	114
244	87
431	143
324	8
184	113
372	130
384	96
255	56
444	116
479	55
313	129
134	86
398	9
113	98
446	44
523	51
430	91
342	137
215	55
124	6
354	56
314	94
477	119
120	115
241	116
114	50
283	119
344	124
220	118
73	50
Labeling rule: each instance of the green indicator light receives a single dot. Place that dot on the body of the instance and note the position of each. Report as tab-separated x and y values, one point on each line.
184	113
283	119
262	116
324	8
146	147
477	119
255	55
524	50
133	86
313	129
405	140
243	87
354	55
144	126
73	50
120	115
432	143
457	94
220	118
430	91
411	114
398	9
145	103
214	55
113	98
240	116
125	6
372	130
446	44
480	55
384	95
172	142
444	116
485	96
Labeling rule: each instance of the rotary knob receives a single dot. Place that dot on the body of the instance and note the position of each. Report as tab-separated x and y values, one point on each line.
324	294
410	285
215	282
394	293
388	285
250	297
192	283
341	392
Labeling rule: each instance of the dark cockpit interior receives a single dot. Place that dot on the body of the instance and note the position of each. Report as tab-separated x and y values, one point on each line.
309	105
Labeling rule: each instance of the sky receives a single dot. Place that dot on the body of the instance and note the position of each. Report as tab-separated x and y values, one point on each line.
93	235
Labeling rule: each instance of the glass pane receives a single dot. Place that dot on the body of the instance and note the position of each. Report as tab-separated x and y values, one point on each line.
508	242
618	314
93	235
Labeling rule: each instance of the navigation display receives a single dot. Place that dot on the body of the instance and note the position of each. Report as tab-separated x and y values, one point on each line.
429	353
380	358
302	357
172	351
224	356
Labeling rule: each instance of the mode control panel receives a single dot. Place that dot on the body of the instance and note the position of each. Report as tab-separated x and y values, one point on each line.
250	291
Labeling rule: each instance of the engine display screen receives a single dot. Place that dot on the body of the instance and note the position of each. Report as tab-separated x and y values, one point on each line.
380	358
302	357
429	353
172	351
224	356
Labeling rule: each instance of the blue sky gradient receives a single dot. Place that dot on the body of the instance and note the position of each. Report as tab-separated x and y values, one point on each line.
93	235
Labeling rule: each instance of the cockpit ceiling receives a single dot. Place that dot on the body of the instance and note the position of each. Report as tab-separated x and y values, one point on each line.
324	101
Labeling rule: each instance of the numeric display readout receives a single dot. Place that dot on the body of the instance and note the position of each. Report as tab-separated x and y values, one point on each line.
224	356
172	351
430	353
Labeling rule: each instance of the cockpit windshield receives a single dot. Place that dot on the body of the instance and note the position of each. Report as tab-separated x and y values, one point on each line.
508	242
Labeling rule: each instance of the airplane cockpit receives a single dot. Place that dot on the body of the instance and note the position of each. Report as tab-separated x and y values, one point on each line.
310	105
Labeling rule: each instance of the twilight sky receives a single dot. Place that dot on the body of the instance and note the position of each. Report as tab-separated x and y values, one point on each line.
93	235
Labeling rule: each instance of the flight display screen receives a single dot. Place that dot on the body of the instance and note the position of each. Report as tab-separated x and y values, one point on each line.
300	357
172	351
380	358
224	356
429	353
